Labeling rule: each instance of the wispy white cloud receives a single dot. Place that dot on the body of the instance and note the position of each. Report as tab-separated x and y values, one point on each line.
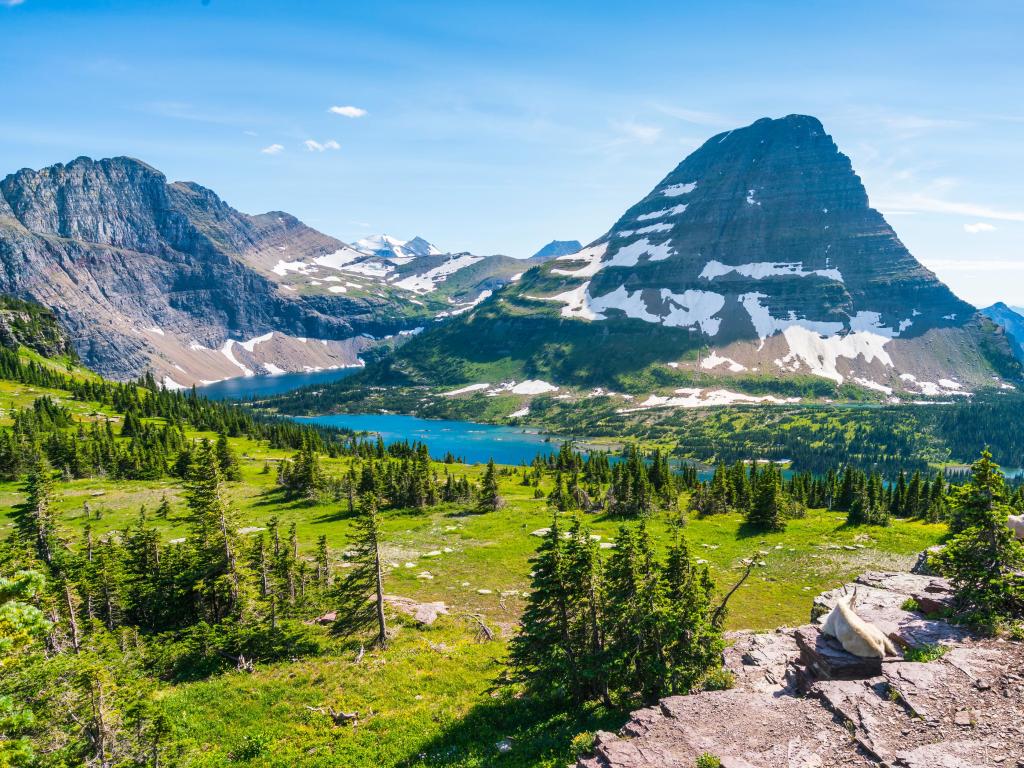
348	111
977	227
918	124
696	117
926	204
273	149
250	133
973	265
900	125
632	131
316	146
11	3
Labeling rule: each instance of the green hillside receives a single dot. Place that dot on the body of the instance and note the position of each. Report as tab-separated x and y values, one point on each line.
112	526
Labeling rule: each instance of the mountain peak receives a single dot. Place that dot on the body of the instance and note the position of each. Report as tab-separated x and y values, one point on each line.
761	244
557	248
387	247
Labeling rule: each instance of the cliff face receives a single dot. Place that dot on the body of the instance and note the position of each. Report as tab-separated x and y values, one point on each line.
146	274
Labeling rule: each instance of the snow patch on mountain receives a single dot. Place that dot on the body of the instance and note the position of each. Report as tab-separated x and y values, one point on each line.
820	353
714	360
675	190
463	308
528	387
282	268
592	256
691	308
629	255
764	269
673	211
427	281
250	345
226	350
869	384
533	387
679	310
659	227
369	269
337	259
942	388
465	390
688	397
765	324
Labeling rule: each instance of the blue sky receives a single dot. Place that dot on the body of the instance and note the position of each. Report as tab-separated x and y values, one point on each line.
495	127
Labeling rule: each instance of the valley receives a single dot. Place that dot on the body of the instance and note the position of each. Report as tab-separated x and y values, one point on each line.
430	697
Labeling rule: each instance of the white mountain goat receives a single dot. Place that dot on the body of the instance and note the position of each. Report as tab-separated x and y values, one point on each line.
857	636
1016	523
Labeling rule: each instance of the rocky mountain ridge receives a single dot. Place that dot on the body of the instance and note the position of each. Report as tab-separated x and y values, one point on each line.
147	274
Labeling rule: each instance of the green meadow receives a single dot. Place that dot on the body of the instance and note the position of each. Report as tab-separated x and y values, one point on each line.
434	696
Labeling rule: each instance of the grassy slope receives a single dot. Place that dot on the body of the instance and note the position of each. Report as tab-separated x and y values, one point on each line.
431	692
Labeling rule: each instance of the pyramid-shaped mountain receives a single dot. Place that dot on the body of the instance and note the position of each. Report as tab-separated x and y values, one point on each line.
758	255
760	229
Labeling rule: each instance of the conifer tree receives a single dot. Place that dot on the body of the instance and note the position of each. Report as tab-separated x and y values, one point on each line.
542	653
227	460
983	560
35	516
768	512
213	537
323	563
636	609
583	586
365	578
490	496
163	510
693	642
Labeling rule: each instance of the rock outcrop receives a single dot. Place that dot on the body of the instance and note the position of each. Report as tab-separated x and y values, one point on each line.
26	324
800	701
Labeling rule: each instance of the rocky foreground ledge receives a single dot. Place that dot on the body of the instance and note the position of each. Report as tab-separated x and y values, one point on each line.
801	701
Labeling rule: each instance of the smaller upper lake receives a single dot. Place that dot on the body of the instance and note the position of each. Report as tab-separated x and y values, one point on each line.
247	387
476	443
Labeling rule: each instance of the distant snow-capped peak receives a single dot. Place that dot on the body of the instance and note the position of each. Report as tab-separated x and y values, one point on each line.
391	248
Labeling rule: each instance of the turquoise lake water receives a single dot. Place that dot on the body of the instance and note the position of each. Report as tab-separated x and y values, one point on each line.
246	387
476	443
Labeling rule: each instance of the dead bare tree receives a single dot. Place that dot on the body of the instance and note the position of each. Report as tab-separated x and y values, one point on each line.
719	615
483	632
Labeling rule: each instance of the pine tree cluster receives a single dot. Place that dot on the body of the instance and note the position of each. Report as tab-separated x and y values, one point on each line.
596	629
